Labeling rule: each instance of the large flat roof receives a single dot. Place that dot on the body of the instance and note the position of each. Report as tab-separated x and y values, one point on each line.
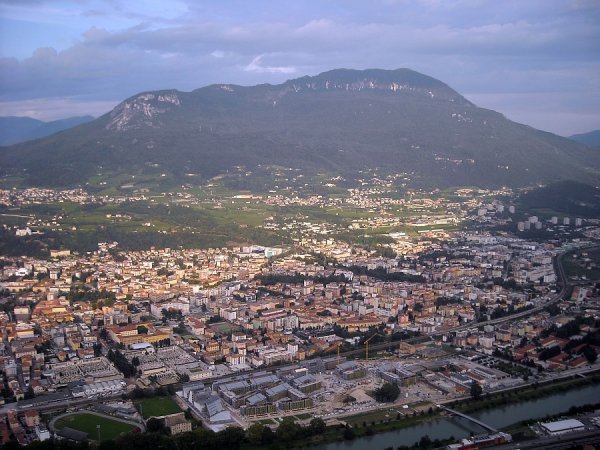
562	425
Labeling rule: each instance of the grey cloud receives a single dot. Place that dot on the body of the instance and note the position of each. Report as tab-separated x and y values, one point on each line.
540	53
257	65
324	37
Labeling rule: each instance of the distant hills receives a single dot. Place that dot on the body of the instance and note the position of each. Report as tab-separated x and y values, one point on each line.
565	198
340	122
592	138
14	130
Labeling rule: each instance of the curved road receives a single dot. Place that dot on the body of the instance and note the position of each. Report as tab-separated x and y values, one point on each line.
562	279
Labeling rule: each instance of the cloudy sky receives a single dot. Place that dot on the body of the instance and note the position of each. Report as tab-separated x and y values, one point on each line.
536	61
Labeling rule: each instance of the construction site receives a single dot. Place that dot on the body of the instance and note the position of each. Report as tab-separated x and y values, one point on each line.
334	388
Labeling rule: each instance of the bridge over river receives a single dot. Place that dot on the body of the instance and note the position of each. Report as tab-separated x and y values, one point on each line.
472	419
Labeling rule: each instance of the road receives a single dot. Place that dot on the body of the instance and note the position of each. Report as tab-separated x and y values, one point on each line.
381	346
562	280
58	405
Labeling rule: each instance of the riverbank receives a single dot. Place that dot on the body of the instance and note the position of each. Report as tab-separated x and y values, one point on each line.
518	395
506	412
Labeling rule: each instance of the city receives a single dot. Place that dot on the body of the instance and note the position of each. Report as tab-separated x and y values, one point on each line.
248	335
272	225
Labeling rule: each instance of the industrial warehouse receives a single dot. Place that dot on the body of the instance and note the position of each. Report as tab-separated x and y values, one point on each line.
562	426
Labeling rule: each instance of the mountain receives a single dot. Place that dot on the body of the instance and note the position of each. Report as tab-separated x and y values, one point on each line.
20	129
592	138
340	122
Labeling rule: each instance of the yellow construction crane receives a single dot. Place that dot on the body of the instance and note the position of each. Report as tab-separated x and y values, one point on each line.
339	344
367	346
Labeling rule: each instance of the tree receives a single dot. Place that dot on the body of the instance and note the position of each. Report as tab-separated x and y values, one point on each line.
29	393
144	441
317	425
180	329
184	378
590	354
185	441
389	392
288	429
107	445
386	252
122	364
551	352
553	309
268	436
349	433
230	437
255	433
155	425
476	390
97	350
425	442
214	319
569	329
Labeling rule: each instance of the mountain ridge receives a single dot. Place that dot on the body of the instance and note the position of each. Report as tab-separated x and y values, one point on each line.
342	121
14	130
591	138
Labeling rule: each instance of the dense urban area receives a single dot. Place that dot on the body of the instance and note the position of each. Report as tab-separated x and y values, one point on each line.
367	309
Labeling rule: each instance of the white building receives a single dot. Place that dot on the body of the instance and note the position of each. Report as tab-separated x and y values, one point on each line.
23	232
42	433
562	426
179	304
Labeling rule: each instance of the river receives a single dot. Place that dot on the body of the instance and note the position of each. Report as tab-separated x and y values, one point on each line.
458	427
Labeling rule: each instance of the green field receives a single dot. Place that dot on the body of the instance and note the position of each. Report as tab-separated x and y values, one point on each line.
387	414
222	327
13	219
109	428
137	225
373	416
208	216
157	406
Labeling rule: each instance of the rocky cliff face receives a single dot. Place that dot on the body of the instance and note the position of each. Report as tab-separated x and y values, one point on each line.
142	110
